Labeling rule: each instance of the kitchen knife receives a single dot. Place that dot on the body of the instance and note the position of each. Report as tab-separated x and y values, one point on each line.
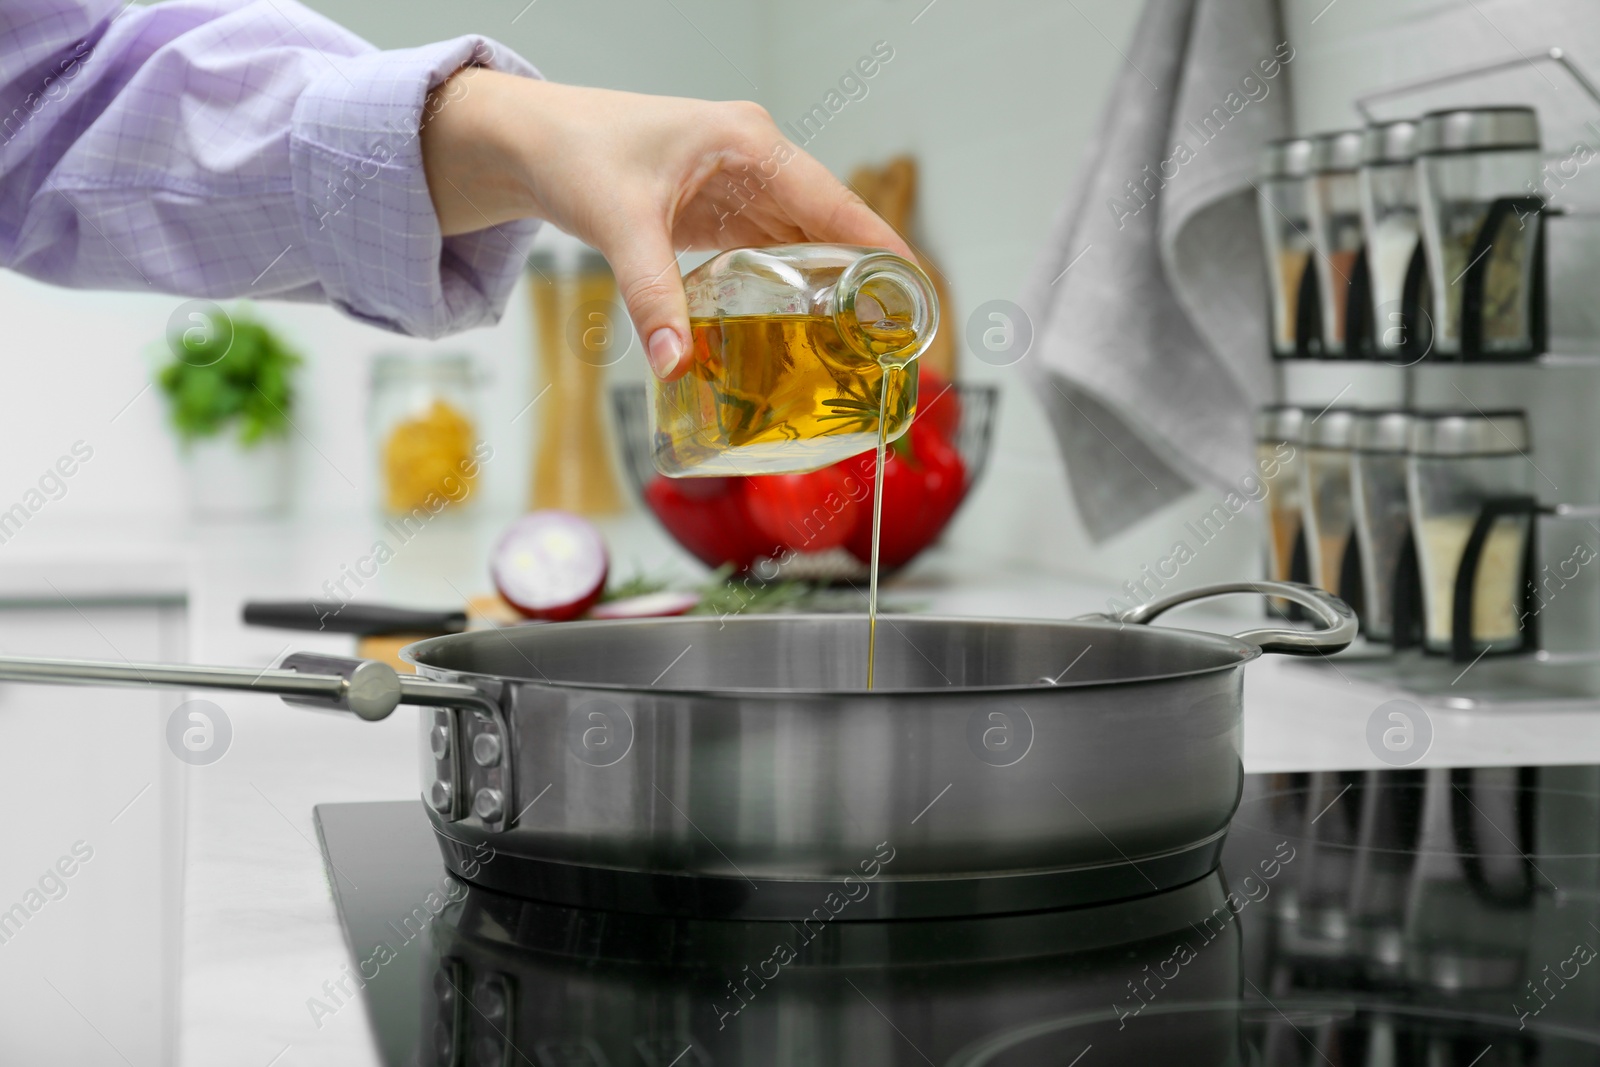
363	620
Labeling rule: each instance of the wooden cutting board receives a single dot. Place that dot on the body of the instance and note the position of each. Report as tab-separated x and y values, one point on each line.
487	610
891	191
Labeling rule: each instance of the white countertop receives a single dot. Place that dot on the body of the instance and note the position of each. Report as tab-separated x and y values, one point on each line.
260	936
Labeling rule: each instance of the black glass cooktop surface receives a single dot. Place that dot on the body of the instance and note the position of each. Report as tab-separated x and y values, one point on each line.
1446	918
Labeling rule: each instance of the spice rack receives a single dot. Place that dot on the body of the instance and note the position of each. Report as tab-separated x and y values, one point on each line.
1481	339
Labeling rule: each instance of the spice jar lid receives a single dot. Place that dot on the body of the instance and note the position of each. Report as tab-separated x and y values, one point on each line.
1468	433
1333	428
1288	158
1334	153
1389	142
1477	129
1280	422
1382	431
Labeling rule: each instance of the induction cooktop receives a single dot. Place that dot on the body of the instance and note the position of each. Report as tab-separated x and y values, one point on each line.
1444	917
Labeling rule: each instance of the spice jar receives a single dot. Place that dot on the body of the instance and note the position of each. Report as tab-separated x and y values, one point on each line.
1329	510
1278	430
1382	514
1391	231
795	353
1284	202
424	424
1459	460
1479	226
1336	233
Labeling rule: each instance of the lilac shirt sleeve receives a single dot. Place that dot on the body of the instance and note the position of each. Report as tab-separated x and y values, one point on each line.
227	148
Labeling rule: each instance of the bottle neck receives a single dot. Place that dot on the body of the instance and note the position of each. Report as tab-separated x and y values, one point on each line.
885	308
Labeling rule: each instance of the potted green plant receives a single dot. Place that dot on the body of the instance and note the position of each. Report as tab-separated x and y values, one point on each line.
230	395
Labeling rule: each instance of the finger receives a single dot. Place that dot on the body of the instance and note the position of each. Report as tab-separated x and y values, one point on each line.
652	288
826	209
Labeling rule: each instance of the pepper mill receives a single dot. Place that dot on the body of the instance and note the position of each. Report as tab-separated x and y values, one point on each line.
577	320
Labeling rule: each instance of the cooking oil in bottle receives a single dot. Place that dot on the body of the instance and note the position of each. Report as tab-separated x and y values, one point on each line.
784	373
768	394
798	357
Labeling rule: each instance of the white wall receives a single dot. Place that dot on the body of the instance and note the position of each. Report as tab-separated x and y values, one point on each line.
75	359
1359	46
996	100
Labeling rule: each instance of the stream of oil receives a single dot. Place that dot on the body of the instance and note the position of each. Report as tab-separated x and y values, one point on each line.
889	367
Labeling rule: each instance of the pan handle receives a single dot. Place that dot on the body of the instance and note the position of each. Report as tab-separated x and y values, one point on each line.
1336	621
466	719
480	788
366	688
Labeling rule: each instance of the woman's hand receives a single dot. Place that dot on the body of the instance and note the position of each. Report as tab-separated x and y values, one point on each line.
638	177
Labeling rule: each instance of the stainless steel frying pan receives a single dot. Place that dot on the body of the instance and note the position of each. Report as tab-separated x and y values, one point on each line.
739	767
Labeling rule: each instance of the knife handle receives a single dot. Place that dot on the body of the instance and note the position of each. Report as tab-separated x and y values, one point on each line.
364	620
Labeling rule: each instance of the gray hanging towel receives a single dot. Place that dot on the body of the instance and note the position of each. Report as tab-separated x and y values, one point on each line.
1149	302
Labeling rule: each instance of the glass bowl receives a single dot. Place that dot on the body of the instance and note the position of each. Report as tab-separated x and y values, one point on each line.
630	405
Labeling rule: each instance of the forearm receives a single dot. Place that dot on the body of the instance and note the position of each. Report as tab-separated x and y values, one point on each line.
470	152
238	149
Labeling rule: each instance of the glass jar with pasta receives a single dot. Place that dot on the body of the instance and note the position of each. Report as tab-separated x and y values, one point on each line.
424	424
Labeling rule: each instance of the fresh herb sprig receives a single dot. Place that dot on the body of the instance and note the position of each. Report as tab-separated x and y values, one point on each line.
238	373
725	593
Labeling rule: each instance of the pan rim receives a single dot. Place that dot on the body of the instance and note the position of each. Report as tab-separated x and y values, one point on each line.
1242	652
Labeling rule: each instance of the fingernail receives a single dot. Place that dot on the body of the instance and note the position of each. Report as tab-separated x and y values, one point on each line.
664	351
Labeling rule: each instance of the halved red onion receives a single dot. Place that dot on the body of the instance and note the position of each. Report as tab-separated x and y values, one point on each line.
550	565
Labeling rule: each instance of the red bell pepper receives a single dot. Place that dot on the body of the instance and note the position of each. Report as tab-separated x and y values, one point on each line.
924	481
808	512
708	517
938	404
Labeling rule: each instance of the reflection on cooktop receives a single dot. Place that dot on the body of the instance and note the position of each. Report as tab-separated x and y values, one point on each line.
1442	917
